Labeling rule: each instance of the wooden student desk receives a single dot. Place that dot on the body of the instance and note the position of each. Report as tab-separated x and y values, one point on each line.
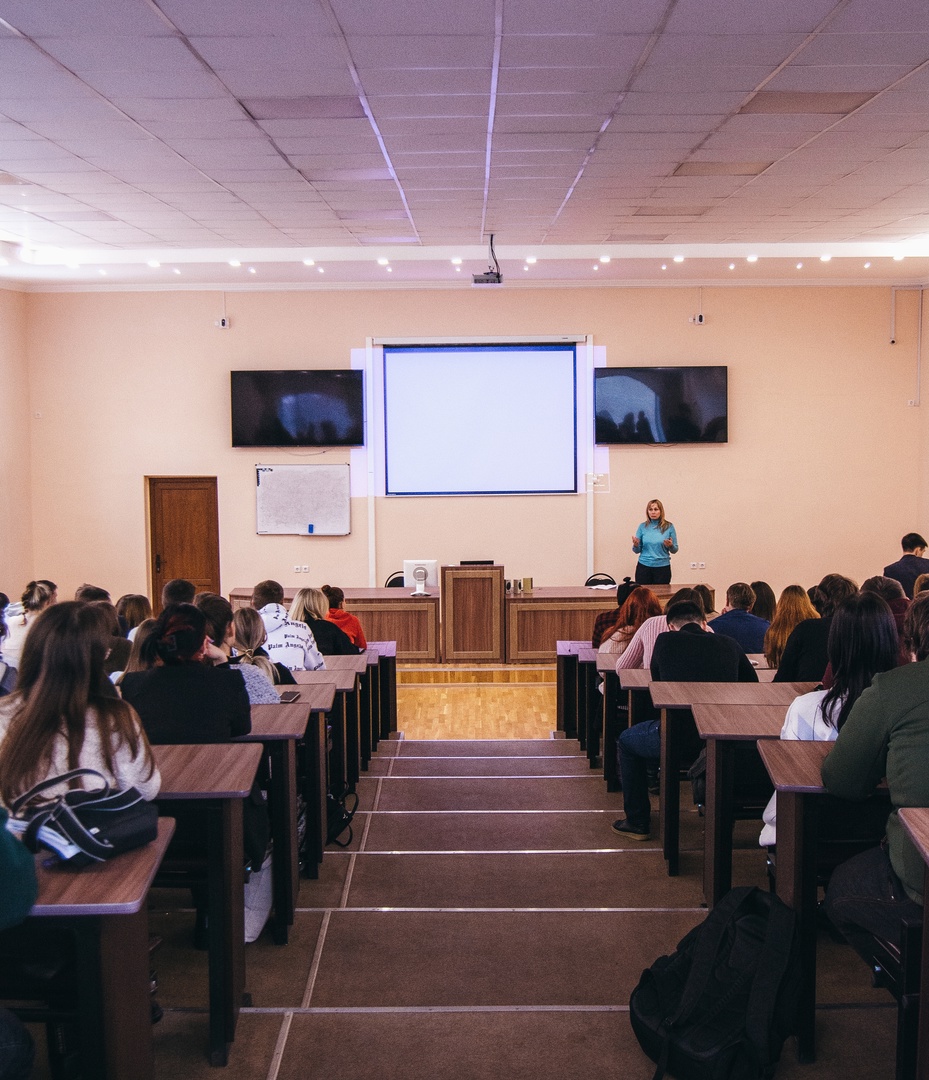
725	728
312	767
387	689
104	905
675	700
795	769
915	822
214	779
566	675
277	728
344	769
357	666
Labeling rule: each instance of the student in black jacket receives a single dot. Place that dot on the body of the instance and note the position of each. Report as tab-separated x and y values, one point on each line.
690	654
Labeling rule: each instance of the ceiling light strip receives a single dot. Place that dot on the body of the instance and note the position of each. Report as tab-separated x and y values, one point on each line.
492	108
365	104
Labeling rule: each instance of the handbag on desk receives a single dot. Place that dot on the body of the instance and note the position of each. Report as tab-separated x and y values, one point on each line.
80	826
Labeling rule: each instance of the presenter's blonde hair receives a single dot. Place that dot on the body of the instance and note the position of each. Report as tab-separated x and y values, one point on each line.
662	520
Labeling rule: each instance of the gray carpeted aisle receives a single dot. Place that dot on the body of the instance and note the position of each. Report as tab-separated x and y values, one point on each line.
485	923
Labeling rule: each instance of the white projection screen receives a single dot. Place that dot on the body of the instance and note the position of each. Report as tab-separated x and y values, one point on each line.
480	419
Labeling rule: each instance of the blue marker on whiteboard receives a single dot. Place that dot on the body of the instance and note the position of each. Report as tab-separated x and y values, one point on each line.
309	528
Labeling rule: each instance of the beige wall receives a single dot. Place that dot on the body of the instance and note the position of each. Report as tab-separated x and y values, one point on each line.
16	566
821	472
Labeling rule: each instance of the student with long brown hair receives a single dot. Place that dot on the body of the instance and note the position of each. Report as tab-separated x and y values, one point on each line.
793	607
65	714
640	604
250	636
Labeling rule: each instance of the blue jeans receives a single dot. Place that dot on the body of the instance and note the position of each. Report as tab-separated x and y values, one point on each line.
16	1048
638	745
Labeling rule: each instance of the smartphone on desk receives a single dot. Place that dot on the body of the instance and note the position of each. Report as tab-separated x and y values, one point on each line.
290	695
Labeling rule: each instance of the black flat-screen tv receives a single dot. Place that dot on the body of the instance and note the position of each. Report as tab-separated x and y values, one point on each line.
661	405
297	408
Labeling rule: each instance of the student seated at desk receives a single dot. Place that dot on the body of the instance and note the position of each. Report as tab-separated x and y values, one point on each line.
342	618
289	643
886	735
862	642
641	604
250	636
183	698
607	619
312	607
219	625
804	658
793	608
65	713
638	653
690	653
737	620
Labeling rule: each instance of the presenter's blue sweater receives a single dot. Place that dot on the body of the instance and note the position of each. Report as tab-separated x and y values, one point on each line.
652	551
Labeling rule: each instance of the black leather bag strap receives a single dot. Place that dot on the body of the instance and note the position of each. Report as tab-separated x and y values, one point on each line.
54	781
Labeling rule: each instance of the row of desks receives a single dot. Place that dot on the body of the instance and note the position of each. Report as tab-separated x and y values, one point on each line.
729	715
105	904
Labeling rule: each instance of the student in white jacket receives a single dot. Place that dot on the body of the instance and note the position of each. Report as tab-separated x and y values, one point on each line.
289	643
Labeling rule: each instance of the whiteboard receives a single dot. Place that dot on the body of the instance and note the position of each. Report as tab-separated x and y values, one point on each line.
308	500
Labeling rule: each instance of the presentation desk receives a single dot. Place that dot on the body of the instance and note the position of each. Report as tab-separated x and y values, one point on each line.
104	905
214	779
537	620
532	621
386	615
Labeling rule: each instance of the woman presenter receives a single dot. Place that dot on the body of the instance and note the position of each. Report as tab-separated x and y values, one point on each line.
655	541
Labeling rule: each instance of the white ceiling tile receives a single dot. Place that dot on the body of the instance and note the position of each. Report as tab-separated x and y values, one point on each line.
723	16
391	51
408	16
430	106
899	16
527	16
65	17
378	81
849	78
562	80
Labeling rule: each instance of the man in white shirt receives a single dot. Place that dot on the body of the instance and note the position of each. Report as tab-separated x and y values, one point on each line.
289	643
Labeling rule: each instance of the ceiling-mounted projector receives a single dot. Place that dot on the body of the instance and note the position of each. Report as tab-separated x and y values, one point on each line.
492	275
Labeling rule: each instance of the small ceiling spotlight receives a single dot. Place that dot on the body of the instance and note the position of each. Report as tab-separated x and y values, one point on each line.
800	266
252	270
153	263
531	259
390	269
678	258
383	262
604	258
456	262
899	258
664	266
175	271
234	262
306	262
732	266
825	258
867	265
596	266
320	269
751	258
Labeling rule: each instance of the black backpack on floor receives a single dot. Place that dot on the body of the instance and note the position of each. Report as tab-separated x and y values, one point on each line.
721	1006
339	815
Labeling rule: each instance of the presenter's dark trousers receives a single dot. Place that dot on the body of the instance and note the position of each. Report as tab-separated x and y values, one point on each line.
652	575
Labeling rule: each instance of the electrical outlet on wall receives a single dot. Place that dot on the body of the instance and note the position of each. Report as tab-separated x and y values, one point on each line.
702	566
297	569
306	569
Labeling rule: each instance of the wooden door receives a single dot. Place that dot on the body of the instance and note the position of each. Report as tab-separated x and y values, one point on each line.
184	537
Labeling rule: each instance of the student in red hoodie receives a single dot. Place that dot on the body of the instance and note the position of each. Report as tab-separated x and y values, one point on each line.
343	619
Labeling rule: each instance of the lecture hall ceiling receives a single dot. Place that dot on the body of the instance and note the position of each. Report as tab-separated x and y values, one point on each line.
308	139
